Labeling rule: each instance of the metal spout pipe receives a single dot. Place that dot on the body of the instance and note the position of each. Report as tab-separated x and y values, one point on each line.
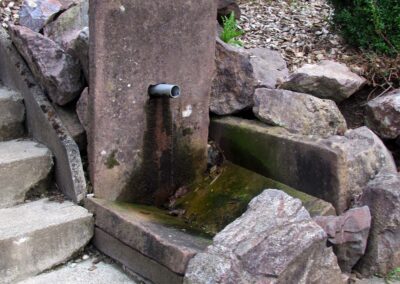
165	90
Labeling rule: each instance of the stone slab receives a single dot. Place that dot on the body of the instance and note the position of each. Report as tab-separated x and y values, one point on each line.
84	272
143	149
292	159
39	235
42	121
140	230
336	169
134	260
12	114
23	165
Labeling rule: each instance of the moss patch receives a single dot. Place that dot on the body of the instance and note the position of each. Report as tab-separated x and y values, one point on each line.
162	217
111	161
217	201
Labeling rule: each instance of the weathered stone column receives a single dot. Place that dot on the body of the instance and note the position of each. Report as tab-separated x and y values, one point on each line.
142	149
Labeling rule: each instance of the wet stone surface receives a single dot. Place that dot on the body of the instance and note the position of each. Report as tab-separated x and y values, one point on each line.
156	145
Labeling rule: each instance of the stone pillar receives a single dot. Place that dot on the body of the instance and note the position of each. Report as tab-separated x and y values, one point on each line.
142	149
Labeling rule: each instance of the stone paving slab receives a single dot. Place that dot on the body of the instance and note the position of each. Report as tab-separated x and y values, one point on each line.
84	272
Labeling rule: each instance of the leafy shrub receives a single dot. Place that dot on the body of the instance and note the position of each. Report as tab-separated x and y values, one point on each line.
370	24
393	275
231	30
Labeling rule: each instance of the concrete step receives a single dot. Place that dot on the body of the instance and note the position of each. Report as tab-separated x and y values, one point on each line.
24	165
39	235
85	272
12	114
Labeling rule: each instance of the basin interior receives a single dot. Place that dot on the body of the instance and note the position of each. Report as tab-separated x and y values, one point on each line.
206	206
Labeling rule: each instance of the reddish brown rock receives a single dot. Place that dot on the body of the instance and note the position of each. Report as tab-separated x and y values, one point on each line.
383	115
57	72
348	233
382	196
239	72
142	149
233	84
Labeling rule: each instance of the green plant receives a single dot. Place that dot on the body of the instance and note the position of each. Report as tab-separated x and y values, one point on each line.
370	24
231	30
393	275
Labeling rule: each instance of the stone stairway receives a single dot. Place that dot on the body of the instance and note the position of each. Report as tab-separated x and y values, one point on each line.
34	235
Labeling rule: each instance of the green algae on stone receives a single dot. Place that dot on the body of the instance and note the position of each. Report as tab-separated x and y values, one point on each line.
162	217
215	202
111	161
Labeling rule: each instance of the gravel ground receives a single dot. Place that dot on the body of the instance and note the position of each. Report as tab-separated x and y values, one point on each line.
9	12
299	29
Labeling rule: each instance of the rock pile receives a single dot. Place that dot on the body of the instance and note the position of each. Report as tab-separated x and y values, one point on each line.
267	243
52	37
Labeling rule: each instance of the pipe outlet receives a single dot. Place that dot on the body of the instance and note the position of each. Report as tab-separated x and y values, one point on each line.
165	90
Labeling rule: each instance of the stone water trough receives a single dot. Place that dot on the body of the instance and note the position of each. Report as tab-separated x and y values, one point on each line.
182	198
164	212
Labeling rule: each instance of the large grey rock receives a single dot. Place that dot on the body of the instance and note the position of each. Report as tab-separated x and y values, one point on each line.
12	114
239	72
298	113
40	235
382	196
66	28
43	122
143	149
364	156
35	14
348	233
383	115
161	239
71	32
274	241
334	169
326	80
57	72
268	66
23	165
85	272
